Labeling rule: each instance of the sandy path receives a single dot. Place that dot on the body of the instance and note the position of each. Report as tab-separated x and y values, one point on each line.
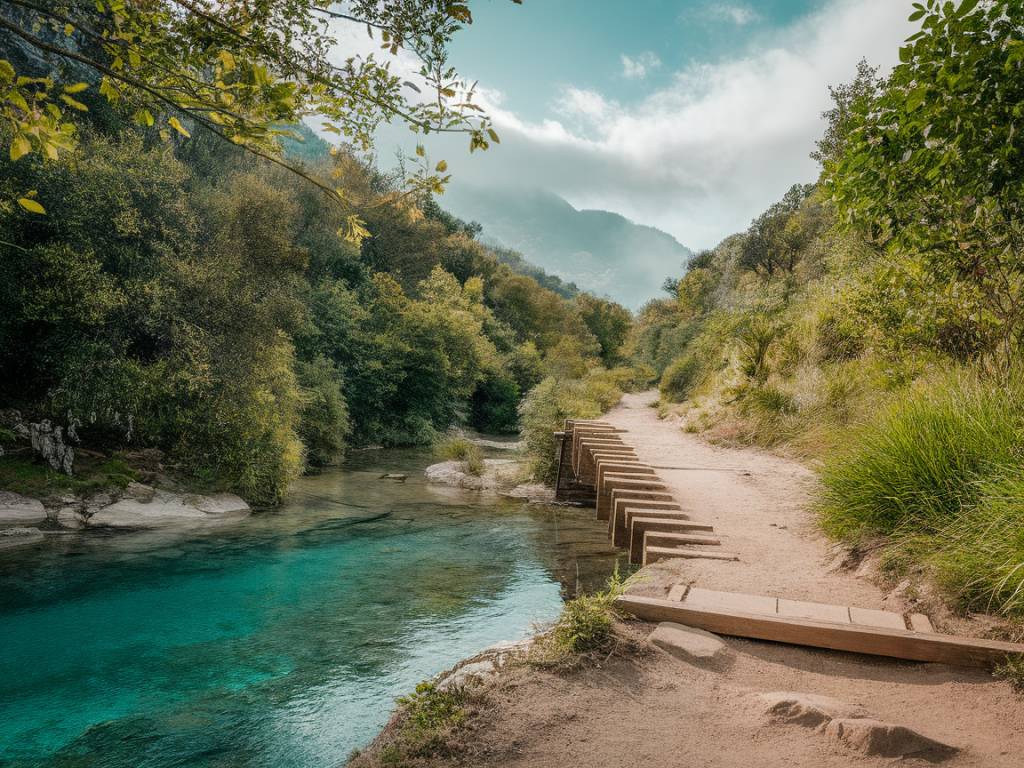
653	710
758	504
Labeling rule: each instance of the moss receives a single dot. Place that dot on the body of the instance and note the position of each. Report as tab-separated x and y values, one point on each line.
23	475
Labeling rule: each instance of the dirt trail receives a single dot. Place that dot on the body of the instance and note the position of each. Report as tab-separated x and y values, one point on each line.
653	710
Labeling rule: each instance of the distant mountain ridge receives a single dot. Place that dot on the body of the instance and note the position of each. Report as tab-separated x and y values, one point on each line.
600	251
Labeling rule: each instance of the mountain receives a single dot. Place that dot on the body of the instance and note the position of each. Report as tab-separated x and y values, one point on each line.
599	251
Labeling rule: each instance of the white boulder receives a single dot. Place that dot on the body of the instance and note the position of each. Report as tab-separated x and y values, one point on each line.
167	509
18	510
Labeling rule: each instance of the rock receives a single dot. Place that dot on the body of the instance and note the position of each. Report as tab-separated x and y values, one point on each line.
19	510
474	672
166	508
807	709
71	517
873	737
533	492
19	537
502	653
689	644
396	476
497	473
48	442
143	493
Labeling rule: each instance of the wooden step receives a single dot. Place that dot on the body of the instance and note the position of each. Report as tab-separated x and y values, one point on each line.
724	619
618	519
605	468
605	499
654	554
635	498
674	539
638	526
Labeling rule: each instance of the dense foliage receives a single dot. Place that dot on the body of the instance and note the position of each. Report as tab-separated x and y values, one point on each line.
820	329
196	300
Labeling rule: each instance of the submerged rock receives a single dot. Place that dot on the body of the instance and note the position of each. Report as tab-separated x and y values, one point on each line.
19	537
165	509
537	492
19	510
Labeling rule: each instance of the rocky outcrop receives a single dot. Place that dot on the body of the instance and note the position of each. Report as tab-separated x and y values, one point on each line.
533	492
485	666
163	508
17	510
48	442
498	473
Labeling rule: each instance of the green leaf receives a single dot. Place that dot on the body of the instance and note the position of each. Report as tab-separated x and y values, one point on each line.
6	71
76	88
176	125
966	7
73	103
20	147
494	136
442	167
31	206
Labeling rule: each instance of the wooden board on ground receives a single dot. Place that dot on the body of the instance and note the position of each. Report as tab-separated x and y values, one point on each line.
639	526
654	554
726	616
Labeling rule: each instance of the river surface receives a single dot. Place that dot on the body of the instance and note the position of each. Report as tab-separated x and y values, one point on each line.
281	641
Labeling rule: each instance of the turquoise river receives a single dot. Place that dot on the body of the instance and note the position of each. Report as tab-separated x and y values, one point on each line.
280	641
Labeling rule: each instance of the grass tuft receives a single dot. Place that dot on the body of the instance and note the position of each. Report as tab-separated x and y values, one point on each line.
584	630
461	449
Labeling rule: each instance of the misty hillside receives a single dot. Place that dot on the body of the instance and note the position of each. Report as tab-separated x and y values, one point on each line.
598	250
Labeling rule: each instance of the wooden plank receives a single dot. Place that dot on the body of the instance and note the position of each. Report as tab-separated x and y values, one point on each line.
618	519
678	592
654	554
622	535
896	643
799	609
732	601
881	619
632	497
611	485
605	467
668	539
638	526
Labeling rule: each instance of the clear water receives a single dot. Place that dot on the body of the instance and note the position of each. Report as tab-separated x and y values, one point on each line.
279	641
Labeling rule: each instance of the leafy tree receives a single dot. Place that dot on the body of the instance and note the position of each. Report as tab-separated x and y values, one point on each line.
933	162
773	243
237	70
608	322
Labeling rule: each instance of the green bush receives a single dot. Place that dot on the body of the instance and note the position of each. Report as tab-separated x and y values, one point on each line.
494	404
586	626
679	378
324	424
547	406
461	449
918	463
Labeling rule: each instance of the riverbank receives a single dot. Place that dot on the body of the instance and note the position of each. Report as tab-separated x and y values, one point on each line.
650	707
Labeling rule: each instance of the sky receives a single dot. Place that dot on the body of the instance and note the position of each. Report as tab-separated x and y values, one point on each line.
688	115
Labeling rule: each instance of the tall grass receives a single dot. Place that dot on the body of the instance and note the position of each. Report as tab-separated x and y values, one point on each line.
940	472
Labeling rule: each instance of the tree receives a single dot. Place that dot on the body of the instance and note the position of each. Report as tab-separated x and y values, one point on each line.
608	321
238	70
933	162
771	245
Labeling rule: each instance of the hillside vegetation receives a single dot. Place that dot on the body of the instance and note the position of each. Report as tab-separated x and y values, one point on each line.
873	320
193	299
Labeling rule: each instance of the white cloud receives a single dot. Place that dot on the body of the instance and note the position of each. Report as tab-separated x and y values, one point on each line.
703	155
637	68
740	15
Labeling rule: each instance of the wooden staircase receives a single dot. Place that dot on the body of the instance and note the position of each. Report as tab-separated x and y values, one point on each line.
598	468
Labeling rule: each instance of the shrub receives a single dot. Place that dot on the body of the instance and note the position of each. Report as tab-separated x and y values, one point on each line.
494	404
918	463
585	627
679	378
461	449
324	423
